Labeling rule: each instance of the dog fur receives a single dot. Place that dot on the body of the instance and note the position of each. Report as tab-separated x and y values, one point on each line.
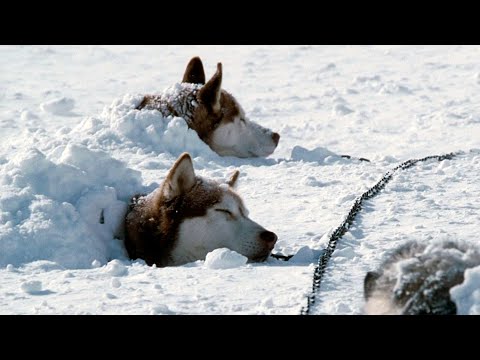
189	216
214	114
416	278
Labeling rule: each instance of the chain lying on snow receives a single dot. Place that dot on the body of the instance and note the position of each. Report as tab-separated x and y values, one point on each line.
349	157
281	257
347	222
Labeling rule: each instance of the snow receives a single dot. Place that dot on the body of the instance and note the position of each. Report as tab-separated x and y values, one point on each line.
60	106
31	287
116	283
224	259
74	149
304	255
116	268
51	210
161	310
467	294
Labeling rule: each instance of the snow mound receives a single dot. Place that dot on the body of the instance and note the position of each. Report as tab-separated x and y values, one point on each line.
116	283
116	268
319	154
341	110
59	106
31	287
467	295
161	310
224	259
67	208
27	115
304	255
122	126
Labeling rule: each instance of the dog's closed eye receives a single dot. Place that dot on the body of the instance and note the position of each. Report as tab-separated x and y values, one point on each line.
227	212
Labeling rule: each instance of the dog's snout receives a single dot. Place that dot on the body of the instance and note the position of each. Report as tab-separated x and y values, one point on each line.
276	138
268	236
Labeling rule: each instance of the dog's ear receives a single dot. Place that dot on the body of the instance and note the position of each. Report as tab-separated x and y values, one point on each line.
181	177
194	73
232	182
210	92
369	283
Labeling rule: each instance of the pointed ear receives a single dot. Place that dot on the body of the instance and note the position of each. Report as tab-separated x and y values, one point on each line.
232	182
369	283
194	73
210	92
181	177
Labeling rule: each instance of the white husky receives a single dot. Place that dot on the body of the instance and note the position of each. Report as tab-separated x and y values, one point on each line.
213	113
189	216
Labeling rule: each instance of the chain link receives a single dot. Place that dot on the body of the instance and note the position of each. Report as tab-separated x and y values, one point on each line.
337	234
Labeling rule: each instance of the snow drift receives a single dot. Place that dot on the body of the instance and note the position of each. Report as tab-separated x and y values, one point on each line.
69	211
67	204
121	126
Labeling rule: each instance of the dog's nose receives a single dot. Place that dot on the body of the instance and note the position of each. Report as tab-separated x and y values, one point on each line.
276	138
268	236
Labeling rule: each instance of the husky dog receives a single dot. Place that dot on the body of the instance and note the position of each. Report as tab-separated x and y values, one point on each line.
188	216
416	278
213	113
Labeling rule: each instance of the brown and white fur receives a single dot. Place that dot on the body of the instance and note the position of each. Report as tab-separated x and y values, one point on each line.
188	216
214	114
416	278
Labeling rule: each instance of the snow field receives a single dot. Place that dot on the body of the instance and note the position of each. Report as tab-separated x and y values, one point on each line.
74	150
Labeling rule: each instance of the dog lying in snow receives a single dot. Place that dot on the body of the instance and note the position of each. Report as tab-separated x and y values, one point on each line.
213	113
189	216
416	278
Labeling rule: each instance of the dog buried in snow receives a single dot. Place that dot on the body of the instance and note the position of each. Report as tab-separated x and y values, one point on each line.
213	113
188	216
416	278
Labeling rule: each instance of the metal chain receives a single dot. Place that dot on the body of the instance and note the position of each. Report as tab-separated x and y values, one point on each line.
337	234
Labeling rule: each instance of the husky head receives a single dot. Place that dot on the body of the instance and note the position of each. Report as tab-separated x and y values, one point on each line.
416	278
188	216
221	122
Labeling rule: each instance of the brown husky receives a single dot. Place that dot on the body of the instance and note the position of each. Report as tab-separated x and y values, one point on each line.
189	216
213	113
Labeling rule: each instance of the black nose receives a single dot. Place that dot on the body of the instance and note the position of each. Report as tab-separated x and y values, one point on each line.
276	138
268	236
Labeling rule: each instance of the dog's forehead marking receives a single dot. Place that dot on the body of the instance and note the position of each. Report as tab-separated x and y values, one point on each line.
209	192
232	201
206	193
